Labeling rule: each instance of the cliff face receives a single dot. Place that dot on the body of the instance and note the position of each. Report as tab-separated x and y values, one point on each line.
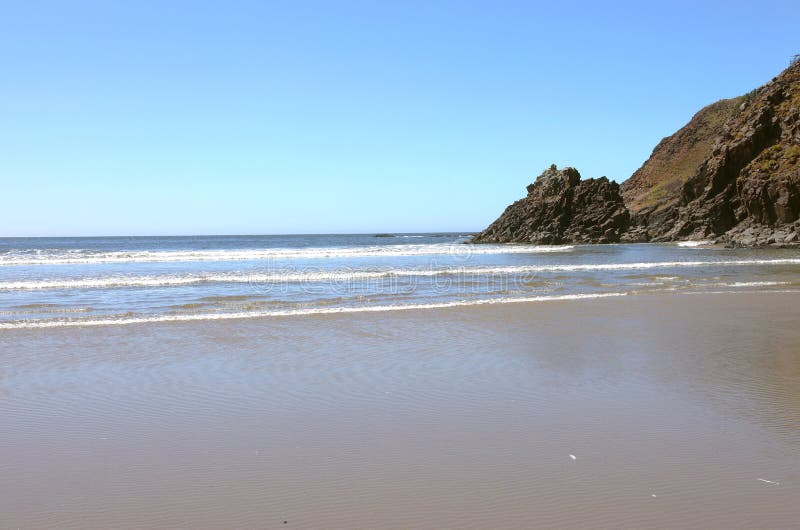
562	208
731	175
656	185
746	190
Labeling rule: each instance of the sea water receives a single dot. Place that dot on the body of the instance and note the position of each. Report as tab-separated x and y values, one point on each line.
53	282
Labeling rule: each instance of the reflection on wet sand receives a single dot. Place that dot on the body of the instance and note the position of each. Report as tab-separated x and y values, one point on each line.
680	411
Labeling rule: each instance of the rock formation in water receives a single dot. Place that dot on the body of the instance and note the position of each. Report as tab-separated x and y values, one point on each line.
562	208
731	175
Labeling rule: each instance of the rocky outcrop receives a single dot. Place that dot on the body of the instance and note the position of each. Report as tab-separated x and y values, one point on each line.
746	191
731	175
562	208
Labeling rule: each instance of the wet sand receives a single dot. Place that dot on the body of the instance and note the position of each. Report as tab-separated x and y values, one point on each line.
682	411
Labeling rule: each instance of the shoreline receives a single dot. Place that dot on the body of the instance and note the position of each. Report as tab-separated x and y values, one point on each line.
312	312
703	243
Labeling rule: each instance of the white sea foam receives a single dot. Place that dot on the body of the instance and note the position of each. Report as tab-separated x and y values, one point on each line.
750	284
347	275
191	279
292	312
693	244
61	257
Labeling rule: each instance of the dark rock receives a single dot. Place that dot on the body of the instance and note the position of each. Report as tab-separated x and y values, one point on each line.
562	208
749	177
731	175
657	184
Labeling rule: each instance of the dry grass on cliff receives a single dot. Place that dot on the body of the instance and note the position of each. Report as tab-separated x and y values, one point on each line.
655	185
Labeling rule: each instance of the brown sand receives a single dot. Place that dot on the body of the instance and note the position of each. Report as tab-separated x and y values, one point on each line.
674	407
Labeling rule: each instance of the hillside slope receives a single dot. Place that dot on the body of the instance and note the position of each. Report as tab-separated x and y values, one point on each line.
731	175
676	158
746	191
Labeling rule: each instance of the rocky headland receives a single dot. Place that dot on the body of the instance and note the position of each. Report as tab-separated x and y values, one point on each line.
731	175
562	208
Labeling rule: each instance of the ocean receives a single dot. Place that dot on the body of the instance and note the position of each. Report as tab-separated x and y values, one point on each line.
55	282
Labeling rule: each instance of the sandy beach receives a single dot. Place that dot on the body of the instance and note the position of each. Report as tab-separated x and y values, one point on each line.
677	411
391	265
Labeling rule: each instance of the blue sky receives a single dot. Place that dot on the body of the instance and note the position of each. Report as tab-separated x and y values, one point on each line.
137	118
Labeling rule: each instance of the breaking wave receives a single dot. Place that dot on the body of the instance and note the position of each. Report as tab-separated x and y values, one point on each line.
692	244
346	275
292	312
61	257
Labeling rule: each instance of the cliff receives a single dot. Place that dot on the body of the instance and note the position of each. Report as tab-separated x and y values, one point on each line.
656	185
745	190
731	175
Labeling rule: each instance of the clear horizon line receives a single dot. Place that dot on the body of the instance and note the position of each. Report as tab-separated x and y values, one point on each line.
376	232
